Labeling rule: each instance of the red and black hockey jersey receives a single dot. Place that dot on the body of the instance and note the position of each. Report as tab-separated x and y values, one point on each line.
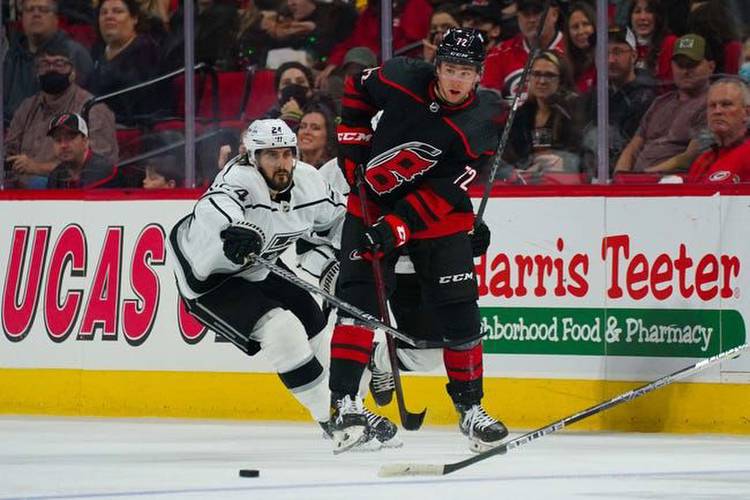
424	153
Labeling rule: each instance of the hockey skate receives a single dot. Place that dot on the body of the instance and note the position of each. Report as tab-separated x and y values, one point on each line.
383	430
382	384
483	431
349	426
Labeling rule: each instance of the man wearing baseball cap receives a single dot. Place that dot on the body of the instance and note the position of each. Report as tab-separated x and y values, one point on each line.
505	63
631	92
78	166
669	136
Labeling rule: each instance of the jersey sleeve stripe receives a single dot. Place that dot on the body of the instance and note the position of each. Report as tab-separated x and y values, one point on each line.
222	193
350	102
217	207
399	87
463	138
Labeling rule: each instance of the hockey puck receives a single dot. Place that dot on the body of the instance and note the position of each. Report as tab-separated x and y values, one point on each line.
249	473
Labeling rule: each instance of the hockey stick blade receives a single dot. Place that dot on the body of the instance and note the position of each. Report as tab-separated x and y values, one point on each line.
393	470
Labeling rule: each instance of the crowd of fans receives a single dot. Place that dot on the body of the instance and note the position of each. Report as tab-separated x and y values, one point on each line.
679	104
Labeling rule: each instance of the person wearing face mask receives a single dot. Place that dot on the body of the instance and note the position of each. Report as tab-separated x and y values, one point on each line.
29	150
39	27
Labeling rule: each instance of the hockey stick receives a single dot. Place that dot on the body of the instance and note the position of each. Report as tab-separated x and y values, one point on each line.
356	312
500	151
409	421
441	470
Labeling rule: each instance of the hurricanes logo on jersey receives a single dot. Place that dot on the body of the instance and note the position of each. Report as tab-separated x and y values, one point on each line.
400	164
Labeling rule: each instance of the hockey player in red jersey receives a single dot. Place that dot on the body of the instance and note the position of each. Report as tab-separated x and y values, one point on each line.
436	128
506	61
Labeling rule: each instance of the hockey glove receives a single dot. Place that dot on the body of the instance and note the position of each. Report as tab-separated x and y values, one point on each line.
387	234
330	276
241	240
480	239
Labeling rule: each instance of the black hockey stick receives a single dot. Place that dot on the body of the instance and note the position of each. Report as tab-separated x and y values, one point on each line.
409	421
441	470
356	312
500	151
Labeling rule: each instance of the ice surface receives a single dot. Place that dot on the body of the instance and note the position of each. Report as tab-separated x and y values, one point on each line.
77	458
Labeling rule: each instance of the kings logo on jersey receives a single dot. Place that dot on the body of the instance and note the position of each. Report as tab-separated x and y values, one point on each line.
400	164
279	243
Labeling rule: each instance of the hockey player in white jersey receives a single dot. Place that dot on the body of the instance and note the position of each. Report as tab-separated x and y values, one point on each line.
260	204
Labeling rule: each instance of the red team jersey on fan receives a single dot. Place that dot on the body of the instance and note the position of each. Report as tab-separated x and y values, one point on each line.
722	165
505	63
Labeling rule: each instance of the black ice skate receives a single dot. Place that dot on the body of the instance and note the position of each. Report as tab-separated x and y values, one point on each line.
327	429
348	424
381	384
483	431
383	430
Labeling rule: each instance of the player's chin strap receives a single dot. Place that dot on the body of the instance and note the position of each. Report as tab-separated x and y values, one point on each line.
355	312
409	421
497	160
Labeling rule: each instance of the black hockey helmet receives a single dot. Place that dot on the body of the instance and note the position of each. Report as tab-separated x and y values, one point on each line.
461	46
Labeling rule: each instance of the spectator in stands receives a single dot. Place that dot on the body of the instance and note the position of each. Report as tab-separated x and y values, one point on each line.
655	43
544	136
164	172
668	138
411	22
745	66
495	18
154	19
356	60
27	144
314	26
505	63
714	22
728	160
77	166
125	58
253	36
39	21
215	25
316	135
443	18
294	83
580	35
631	92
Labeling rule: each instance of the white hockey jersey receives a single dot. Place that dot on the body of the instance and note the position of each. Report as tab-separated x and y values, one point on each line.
310	206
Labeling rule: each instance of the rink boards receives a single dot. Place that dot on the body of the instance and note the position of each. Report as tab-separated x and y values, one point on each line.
583	294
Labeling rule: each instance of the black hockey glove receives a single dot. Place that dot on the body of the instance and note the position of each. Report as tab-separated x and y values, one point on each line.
480	239
383	237
240	241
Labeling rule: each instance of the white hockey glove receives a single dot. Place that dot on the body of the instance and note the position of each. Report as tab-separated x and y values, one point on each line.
241	241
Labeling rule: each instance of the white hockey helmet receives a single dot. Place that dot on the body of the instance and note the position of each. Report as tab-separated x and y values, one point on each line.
268	134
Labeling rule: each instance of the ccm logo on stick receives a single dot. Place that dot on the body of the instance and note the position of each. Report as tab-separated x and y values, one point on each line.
455	278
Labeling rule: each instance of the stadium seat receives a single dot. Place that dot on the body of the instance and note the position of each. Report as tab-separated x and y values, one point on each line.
262	95
129	142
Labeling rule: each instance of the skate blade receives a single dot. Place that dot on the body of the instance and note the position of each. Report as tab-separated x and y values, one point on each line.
347	439
394	442
476	446
368	446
